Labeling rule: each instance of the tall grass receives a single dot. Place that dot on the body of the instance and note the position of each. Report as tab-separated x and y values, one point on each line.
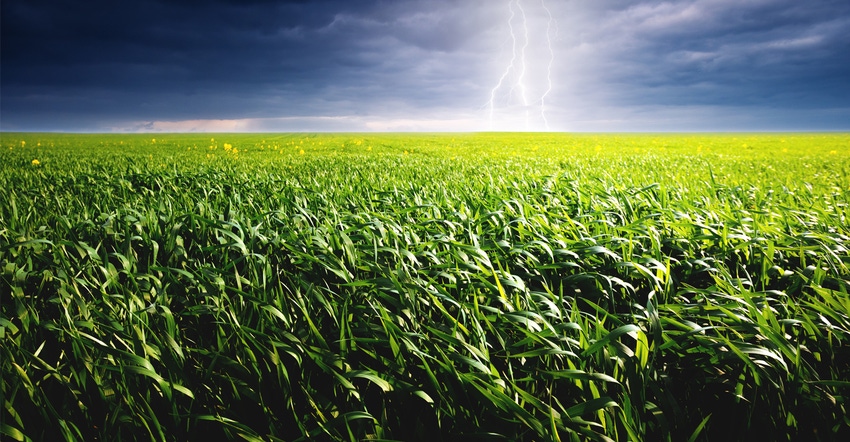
398	287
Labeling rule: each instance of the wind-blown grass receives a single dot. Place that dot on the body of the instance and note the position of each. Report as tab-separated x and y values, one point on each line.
400	287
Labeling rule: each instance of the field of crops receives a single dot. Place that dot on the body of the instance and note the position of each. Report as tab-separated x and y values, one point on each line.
425	287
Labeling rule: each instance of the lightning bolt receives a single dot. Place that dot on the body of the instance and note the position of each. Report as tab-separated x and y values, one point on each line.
517	69
510	67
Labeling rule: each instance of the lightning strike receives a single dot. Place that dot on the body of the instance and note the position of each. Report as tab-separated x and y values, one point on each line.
510	67
523	75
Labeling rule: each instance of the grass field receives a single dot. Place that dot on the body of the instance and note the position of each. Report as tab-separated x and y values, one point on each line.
425	287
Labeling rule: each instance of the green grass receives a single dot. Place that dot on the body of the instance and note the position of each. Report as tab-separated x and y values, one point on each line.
425	287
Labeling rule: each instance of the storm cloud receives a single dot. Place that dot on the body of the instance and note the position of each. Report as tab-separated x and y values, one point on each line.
424	65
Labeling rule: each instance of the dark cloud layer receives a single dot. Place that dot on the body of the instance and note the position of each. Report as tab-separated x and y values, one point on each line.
758	52
166	60
380	64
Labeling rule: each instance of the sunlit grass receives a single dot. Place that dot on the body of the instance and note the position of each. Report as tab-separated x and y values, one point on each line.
425	287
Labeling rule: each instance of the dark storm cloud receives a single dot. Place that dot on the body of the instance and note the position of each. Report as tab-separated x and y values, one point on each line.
344	65
173	60
724	52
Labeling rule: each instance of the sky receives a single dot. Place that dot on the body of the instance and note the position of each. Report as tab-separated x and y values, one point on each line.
424	65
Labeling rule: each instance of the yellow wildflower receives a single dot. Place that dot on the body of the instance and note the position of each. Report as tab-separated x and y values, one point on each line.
36	162
301	152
